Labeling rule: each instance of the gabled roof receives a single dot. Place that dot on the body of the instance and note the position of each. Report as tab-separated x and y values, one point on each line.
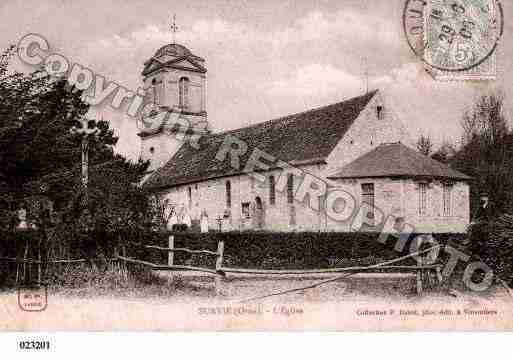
307	137
397	160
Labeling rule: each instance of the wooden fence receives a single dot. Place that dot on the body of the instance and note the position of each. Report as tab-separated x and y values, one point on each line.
427	275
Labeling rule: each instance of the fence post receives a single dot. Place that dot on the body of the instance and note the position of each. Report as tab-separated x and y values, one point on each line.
419	281
116	264
219	265
124	266
171	254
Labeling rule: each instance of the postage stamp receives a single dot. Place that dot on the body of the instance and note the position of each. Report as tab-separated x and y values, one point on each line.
456	40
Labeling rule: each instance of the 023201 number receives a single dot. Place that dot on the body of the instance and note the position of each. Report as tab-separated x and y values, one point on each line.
34	345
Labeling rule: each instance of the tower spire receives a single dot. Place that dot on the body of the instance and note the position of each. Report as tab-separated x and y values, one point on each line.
174	28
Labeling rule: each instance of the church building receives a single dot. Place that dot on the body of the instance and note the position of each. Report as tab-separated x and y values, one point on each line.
342	167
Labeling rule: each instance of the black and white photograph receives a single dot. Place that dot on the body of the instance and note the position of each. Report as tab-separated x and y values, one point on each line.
255	166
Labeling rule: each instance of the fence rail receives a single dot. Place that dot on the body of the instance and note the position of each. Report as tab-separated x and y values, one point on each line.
324	271
423	272
186	250
155	266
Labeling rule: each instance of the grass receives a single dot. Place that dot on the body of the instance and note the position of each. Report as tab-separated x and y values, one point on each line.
86	281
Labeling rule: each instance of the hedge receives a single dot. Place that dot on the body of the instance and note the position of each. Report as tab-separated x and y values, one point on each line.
251	250
305	250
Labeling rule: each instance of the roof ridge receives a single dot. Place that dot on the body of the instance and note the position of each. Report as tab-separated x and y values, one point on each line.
313	133
401	160
371	94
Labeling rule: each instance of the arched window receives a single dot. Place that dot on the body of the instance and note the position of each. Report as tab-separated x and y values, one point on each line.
183	92
157	89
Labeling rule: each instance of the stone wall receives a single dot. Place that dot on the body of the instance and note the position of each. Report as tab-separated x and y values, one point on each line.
434	220
369	131
161	147
399	198
210	197
393	197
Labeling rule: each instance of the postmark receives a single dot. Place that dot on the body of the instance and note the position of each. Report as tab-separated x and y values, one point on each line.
455	38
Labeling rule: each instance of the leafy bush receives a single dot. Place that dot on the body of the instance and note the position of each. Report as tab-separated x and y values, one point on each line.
180	227
492	243
306	250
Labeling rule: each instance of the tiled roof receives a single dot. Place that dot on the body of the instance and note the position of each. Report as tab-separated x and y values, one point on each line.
397	160
301	138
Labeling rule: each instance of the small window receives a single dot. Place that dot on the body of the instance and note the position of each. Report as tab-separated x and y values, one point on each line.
423	189
379	112
290	188
245	210
228	194
446	199
189	192
152	150
272	190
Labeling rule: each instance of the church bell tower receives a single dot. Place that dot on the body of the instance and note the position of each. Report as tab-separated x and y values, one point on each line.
175	85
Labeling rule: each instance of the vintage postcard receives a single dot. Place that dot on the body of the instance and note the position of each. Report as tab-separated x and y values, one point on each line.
256	165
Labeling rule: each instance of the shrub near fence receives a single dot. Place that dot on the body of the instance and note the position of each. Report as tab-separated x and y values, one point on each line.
305	250
35	254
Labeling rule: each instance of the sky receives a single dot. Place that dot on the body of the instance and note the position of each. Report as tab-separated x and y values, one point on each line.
265	59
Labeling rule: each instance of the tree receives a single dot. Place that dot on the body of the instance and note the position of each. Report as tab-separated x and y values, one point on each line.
39	155
487	151
424	145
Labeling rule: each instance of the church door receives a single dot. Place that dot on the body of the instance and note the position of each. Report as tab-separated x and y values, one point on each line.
259	213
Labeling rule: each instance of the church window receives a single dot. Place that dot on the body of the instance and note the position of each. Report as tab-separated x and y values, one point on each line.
290	188
228	194
189	193
446	199
368	201
245	210
158	89
379	111
272	190
183	89
423	189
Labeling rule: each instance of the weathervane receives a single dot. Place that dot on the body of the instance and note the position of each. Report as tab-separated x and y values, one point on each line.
366	74
174	28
